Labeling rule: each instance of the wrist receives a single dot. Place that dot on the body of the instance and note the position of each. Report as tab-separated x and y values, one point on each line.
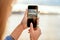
34	39
23	26
17	32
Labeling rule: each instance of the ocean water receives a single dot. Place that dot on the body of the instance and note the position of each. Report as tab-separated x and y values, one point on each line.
49	25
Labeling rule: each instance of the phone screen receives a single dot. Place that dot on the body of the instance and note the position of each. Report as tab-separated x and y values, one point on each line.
32	16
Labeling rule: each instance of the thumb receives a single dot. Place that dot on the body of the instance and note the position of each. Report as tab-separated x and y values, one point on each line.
31	26
25	15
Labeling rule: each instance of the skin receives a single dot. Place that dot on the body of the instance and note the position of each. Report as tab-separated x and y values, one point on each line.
5	10
34	33
22	26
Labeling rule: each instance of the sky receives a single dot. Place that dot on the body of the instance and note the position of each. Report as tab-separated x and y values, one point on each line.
41	2
44	5
50	2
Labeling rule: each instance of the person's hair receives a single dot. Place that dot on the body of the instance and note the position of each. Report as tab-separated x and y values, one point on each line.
5	8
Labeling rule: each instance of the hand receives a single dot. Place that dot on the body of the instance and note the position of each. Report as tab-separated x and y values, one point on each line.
24	21
19	29
34	33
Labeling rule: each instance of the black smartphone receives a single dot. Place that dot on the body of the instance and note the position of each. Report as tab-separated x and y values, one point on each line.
32	15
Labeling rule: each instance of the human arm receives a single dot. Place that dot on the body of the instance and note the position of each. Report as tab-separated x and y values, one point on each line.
5	10
19	29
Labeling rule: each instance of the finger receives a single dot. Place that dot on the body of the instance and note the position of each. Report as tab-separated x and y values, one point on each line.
38	30
37	21
28	31
31	27
26	12
35	29
25	17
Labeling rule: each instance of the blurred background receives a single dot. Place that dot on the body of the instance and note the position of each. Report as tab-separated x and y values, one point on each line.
49	18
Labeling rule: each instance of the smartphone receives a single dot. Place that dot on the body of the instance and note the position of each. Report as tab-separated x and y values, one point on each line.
32	15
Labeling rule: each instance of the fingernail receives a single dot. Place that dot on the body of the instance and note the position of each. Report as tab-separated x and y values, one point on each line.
31	23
